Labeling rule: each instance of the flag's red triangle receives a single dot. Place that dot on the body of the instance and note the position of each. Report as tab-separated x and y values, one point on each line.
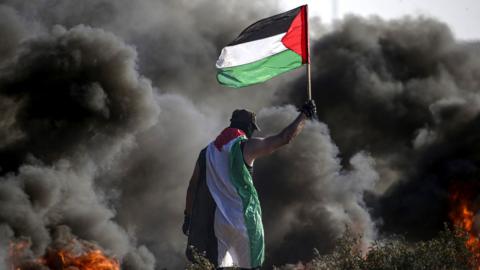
296	38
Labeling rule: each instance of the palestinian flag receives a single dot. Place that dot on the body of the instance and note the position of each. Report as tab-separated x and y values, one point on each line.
238	215
265	49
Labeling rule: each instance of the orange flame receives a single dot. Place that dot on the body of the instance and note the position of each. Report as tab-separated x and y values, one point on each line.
88	258
462	215
91	260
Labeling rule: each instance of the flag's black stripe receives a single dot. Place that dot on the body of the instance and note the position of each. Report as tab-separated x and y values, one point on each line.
267	27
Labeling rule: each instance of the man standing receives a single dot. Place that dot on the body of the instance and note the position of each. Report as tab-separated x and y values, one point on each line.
223	218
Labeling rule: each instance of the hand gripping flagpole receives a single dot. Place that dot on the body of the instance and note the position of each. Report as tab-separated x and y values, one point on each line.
309	75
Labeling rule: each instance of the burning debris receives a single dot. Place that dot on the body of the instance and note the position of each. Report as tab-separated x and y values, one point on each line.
66	252
464	205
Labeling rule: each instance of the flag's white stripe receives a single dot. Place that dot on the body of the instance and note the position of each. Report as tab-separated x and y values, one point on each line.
249	52
229	225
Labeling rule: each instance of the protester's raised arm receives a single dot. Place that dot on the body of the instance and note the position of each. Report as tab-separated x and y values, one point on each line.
258	147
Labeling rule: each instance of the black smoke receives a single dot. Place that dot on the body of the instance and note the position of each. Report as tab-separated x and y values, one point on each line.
407	92
308	197
73	101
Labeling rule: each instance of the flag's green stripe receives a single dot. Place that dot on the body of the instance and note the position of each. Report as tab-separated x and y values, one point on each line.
252	213
259	71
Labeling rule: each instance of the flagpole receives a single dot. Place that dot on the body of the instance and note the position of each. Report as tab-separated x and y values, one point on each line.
309	78
309	74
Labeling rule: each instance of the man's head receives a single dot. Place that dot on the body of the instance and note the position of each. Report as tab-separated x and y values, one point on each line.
244	120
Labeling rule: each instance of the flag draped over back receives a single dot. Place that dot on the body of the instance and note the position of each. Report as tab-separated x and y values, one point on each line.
265	49
238	216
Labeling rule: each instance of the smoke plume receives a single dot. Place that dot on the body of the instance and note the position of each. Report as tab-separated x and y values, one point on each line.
105	105
74	102
307	197
406	92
